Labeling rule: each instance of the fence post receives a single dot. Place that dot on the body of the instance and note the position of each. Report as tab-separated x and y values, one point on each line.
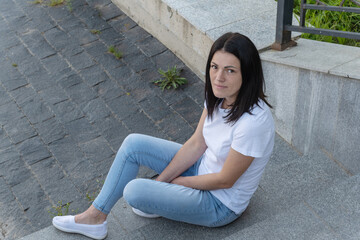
283	18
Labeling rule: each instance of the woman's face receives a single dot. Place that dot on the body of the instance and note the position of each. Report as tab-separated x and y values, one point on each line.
225	76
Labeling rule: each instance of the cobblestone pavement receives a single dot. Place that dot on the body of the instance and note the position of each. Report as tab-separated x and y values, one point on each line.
66	104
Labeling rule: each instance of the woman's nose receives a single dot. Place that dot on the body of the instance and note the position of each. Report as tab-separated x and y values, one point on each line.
220	76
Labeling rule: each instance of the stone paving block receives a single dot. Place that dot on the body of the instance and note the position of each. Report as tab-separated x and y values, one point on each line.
72	49
18	22
96	150
91	18
57	38
109	11
30	67
28	193
54	63
122	23
81	61
189	110
8	112
121	74
156	108
123	106
81	130
38	213
83	173
136	34
50	130
113	131
136	87
4	96
8	154
167	60
15	224
138	61
67	111
58	13
41	20
150	46
170	96
84	36
108	61
108	90
69	23
14	171
19	130
33	150
37	44
110	37
96	110
69	81
81	93
176	128
138	122
8	41
36	110
196	92
41	79
53	94
19	55
66	152
23	94
93	75
127	48
96	48
4	140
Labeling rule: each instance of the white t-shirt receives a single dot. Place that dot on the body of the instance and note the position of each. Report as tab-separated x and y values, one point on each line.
252	135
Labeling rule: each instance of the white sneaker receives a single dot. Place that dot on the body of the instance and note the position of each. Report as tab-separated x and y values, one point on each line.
145	215
68	224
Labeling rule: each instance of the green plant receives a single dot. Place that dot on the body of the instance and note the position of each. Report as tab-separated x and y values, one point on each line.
117	53
95	31
170	78
342	21
53	3
91	196
37	2
61	209
14	65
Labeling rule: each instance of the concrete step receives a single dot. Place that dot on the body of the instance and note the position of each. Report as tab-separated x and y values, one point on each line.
290	192
189	28
333	213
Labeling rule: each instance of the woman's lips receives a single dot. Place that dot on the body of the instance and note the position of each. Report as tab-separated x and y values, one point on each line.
219	86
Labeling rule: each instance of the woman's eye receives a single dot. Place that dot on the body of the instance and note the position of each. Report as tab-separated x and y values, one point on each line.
213	66
230	71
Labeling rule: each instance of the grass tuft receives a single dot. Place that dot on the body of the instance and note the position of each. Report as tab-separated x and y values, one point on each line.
170	79
117	53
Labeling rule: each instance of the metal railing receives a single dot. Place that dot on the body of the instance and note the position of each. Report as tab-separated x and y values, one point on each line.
284	25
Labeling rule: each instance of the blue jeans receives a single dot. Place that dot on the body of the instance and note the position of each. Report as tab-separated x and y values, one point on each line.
171	201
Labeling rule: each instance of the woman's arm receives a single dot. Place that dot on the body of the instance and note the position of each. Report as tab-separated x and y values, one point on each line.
189	153
234	166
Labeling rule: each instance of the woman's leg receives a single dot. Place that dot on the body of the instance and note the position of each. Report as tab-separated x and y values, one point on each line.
178	203
136	150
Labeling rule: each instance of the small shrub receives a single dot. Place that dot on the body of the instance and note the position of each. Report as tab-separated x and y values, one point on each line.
170	79
117	53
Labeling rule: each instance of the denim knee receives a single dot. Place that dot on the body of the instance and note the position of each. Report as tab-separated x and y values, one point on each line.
132	191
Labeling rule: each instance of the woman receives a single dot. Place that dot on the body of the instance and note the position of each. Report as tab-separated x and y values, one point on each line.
210	179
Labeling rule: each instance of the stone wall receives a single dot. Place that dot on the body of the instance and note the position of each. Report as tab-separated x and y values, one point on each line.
316	110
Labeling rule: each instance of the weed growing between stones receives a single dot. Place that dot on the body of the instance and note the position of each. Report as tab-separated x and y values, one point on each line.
170	79
91	196
61	209
14	65
54	3
117	53
95	31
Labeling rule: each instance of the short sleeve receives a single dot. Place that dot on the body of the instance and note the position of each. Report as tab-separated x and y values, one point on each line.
254	135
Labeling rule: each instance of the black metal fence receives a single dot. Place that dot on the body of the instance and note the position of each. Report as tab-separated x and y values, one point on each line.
284	25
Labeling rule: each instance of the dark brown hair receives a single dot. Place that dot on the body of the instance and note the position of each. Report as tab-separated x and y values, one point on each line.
252	88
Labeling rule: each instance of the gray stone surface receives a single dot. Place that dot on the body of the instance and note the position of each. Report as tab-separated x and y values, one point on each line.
71	104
